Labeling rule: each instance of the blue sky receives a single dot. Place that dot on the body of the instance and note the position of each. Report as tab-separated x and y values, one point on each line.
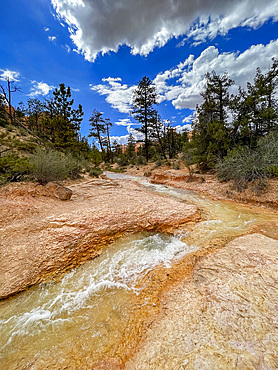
102	48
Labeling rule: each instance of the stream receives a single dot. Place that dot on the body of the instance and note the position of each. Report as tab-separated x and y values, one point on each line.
83	317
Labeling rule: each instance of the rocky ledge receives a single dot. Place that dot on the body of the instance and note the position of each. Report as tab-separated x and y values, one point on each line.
224	317
42	236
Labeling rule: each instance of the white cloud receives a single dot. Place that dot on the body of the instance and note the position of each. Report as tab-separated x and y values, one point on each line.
102	26
180	128
118	95
138	136
122	140
123	122
52	38
40	88
183	84
190	75
7	74
188	119
46	29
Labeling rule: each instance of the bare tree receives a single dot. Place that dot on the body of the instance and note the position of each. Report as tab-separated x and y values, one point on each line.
7	92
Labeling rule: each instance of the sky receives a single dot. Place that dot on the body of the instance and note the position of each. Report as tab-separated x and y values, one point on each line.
103	48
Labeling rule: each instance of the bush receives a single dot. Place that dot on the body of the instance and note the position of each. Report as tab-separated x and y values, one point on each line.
51	165
95	172
73	166
244	166
140	160
13	168
176	165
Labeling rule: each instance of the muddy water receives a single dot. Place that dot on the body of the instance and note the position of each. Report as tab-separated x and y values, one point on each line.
81	319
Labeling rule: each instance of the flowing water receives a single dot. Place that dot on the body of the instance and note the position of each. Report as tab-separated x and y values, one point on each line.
83	317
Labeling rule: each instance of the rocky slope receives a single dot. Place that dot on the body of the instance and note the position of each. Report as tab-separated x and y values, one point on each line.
43	236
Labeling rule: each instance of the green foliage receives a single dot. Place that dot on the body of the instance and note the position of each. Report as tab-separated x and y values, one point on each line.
51	165
25	146
73	166
13	168
144	97
244	165
95	172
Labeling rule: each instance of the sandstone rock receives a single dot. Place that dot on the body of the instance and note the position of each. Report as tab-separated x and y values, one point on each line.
52	237
225	317
59	191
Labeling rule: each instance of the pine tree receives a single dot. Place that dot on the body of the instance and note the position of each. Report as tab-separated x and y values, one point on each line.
97	128
144	97
211	129
62	120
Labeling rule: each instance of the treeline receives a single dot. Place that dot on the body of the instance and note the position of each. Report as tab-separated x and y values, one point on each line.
226	128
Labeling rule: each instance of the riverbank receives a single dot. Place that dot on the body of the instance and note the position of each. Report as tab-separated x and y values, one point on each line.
223	315
188	300
42	236
208	185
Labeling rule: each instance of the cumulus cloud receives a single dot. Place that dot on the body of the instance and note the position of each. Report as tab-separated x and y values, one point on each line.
46	29
6	74
118	95
102	26
183	84
40	88
138	136
181	128
189	76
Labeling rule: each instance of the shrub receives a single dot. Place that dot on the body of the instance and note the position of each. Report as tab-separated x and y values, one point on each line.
95	172
140	160
48	165
13	168
176	165
73	166
244	165
51	165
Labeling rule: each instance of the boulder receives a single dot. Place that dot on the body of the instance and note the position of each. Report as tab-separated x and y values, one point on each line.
59	191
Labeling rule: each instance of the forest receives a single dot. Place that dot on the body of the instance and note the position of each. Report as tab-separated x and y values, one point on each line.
234	135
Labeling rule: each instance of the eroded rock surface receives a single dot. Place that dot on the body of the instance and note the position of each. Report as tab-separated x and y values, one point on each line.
225	317
41	236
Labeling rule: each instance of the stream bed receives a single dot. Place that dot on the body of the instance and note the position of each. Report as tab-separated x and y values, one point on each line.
81	318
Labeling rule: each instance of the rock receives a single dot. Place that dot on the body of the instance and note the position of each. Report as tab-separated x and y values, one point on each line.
224	317
59	191
40	237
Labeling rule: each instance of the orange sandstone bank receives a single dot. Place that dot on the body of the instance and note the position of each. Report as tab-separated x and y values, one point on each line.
42	236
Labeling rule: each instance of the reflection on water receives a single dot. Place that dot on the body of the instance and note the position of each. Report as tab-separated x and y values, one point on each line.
76	321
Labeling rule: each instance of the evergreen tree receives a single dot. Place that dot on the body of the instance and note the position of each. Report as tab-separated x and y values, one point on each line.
108	125
130	147
157	132
144	97
62	120
97	124
255	111
211	129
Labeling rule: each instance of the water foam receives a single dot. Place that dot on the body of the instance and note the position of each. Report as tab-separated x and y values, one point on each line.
118	268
